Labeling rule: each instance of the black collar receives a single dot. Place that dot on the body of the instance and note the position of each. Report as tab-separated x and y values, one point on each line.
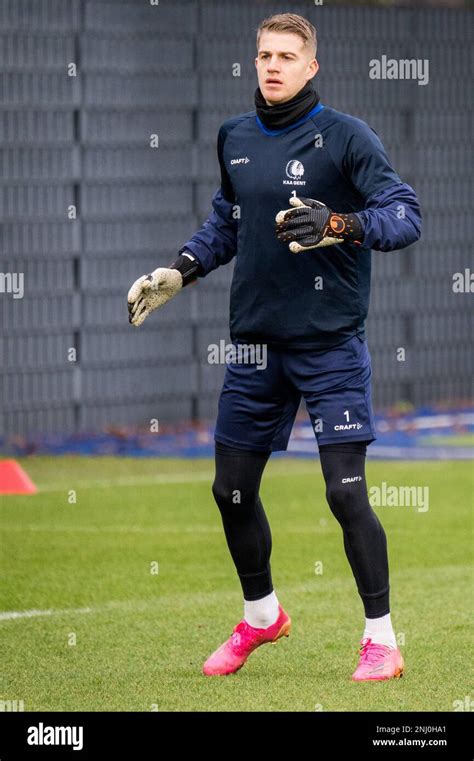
281	115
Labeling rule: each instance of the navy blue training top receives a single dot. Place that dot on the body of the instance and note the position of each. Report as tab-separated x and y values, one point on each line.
318	298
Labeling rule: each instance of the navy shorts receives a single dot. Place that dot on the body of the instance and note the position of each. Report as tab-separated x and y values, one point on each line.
258	405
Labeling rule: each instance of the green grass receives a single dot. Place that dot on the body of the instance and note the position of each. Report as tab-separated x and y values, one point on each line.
145	637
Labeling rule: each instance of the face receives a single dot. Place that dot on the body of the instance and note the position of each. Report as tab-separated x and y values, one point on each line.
284	65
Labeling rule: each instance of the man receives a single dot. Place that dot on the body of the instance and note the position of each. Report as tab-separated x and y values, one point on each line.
300	288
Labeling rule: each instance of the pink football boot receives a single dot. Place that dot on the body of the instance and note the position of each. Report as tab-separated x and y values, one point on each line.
233	653
378	662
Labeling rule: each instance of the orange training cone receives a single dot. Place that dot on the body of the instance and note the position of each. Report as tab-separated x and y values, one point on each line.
14	480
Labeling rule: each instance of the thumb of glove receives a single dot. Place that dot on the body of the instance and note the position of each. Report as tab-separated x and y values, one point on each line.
136	289
297	202
306	202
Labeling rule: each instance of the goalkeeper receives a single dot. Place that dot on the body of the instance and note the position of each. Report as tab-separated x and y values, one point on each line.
306	193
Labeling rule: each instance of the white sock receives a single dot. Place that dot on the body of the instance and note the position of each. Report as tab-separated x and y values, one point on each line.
261	613
380	630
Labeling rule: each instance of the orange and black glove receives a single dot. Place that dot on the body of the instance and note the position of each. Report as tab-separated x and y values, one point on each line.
312	224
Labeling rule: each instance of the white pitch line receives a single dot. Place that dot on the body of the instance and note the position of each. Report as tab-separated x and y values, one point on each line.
9	615
179	478
134	481
192	529
132	605
345	582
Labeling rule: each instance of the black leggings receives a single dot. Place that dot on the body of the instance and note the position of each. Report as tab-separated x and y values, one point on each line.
365	543
236	491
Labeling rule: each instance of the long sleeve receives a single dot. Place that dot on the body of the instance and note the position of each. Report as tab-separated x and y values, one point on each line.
215	243
391	217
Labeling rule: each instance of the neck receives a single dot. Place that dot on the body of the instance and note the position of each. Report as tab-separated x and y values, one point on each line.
280	115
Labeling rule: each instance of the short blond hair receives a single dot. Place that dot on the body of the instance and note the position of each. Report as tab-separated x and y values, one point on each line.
290	22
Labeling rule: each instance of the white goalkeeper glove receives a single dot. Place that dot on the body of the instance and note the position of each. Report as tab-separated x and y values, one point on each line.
151	292
312	224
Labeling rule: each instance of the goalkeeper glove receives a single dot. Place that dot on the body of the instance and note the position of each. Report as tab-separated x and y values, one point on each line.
312	224
152	291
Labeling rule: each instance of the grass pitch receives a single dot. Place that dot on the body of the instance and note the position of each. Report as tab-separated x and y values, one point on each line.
123	585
